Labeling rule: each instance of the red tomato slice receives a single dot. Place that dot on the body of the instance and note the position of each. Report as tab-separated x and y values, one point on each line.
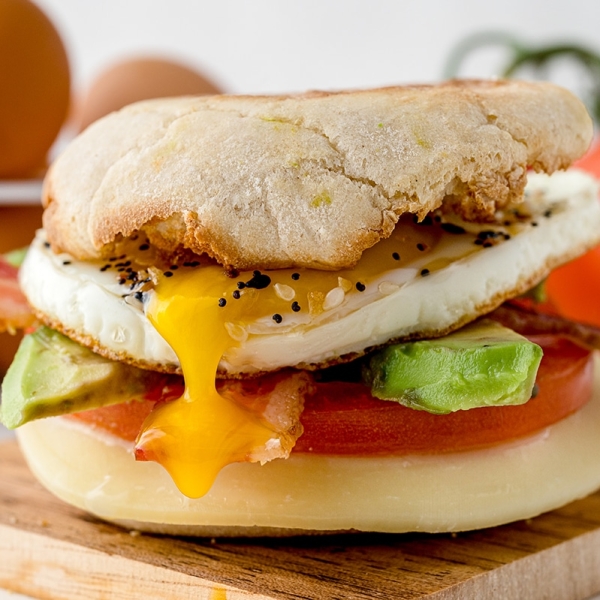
343	418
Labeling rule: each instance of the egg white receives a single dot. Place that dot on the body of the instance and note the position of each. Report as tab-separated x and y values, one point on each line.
91	304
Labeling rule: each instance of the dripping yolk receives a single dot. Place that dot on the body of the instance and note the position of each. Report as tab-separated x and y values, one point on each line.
195	436
203	312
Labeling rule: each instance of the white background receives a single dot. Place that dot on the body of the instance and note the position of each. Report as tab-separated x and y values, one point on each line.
253	46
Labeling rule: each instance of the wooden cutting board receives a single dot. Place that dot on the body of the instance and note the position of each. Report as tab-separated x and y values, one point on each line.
50	550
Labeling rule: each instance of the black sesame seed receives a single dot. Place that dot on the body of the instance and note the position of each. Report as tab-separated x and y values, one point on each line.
437	219
534	223
277	318
139	296
426	222
506	236
295	307
46	244
122	256
144	246
295	276
168	274
452	228
66	262
121	270
173	267
487	234
132	276
105	267
236	294
233	273
259	281
424	272
128	270
421	247
222	302
548	213
112	258
535	390
395	256
360	286
479	242
487	244
241	285
193	263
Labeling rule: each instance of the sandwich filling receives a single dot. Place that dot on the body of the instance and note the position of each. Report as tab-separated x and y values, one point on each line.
426	280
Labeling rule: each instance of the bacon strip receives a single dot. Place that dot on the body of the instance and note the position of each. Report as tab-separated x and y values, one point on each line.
14	310
277	399
526	320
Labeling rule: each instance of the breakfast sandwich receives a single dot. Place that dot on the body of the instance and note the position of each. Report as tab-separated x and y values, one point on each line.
313	313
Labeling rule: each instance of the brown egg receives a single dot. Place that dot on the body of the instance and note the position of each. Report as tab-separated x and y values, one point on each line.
138	79
34	88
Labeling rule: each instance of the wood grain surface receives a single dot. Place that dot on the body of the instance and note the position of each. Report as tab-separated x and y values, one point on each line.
52	551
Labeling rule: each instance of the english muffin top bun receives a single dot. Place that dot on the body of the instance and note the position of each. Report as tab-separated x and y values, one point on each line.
305	181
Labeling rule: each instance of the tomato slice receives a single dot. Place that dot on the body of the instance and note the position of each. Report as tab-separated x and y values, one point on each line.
343	418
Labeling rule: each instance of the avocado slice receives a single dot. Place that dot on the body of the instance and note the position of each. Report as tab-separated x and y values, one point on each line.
482	364
53	375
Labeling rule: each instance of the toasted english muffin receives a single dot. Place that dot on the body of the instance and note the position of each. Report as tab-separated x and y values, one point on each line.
305	181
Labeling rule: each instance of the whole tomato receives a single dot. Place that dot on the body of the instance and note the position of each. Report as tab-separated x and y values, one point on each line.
574	288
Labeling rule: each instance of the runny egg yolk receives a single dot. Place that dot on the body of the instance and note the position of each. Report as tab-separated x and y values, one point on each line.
195	436
203	312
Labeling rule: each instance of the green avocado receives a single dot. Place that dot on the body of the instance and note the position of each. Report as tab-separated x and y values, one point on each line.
53	375
482	364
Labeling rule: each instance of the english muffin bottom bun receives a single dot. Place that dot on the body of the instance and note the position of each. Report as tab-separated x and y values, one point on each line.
314	313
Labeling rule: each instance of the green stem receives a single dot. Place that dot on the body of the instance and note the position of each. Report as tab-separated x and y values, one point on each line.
536	58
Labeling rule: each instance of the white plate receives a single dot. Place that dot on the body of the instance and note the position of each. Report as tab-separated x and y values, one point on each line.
21	192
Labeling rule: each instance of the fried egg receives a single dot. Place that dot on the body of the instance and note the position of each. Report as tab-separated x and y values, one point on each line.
428	278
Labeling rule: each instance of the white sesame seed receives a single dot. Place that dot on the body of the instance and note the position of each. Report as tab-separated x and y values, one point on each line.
334	298
236	332
119	335
285	292
387	287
